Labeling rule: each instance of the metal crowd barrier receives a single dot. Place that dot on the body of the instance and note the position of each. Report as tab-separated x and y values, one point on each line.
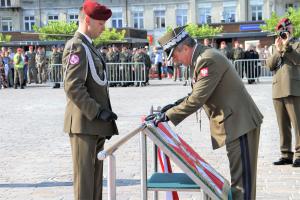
55	73
252	69
126	72
118	73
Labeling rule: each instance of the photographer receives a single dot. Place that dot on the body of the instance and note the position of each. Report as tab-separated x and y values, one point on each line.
285	63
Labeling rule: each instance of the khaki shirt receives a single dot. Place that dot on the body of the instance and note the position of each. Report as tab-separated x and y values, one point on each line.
218	88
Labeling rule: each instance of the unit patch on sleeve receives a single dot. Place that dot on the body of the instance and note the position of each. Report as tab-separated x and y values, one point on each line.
74	59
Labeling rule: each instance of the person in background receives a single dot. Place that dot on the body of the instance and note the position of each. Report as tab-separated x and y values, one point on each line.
55	62
19	69
158	61
224	49
32	73
237	53
3	80
284	62
40	59
206	42
8	72
251	65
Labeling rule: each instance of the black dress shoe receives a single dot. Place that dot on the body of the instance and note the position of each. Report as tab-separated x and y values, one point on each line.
296	163
284	161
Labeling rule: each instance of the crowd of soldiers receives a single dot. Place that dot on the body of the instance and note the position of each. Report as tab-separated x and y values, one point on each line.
155	65
19	68
120	73
246	67
33	66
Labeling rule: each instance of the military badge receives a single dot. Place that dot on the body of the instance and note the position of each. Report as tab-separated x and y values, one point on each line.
74	59
204	72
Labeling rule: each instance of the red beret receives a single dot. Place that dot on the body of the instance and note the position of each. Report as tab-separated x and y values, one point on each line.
96	10
284	22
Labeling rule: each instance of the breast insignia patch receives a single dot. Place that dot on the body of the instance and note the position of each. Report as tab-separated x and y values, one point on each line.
204	72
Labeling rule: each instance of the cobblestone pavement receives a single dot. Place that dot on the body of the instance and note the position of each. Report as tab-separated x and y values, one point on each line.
36	157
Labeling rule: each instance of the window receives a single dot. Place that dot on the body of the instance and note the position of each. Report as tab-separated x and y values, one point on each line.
229	14
28	23
6	24
159	19
256	12
73	18
117	20
290	5
204	15
181	16
52	18
5	3
138	19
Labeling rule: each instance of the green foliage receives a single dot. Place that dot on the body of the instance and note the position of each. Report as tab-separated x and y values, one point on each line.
108	36
5	38
270	23
61	30
292	13
57	30
204	31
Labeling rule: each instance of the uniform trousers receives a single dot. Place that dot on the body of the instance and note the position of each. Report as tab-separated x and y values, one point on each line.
19	76
87	169
242	154
288	114
41	73
31	74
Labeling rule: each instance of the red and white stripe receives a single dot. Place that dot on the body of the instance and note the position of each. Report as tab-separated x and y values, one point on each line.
165	164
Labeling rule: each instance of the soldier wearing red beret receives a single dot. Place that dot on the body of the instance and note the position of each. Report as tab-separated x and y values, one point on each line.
89	119
285	62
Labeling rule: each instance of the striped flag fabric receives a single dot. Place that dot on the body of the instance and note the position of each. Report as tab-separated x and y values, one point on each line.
166	167
218	184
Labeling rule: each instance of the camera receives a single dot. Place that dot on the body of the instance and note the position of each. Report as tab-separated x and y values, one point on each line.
283	34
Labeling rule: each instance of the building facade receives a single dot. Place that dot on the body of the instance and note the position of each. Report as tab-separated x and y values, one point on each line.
152	15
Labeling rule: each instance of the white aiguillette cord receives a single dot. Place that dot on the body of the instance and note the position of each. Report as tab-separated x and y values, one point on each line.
93	69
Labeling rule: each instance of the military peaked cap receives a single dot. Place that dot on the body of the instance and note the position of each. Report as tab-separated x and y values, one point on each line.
171	39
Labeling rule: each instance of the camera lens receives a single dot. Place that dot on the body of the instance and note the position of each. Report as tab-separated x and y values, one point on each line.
283	35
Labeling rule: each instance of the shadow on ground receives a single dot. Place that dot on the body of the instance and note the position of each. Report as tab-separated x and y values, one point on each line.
119	182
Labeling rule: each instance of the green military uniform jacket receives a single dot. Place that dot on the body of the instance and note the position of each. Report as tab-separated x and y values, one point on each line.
218	88
40	58
84	95
286	80
124	57
237	53
55	58
138	57
31	58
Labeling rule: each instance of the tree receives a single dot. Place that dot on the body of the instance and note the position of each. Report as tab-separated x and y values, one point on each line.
203	31
58	30
292	13
61	30
109	36
5	38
